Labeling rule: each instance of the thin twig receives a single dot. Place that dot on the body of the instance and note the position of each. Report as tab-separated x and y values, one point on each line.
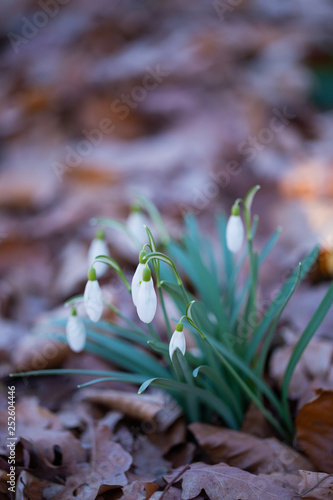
175	479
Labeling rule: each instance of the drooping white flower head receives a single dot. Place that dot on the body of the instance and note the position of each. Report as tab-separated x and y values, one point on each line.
135	224
97	247
93	300
146	301
177	341
75	332
137	278
235	230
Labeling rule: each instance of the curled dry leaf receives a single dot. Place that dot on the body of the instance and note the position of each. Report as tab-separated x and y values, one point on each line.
29	487
43	430
36	462
158	408
106	471
314	430
222	481
172	494
148	461
247	452
315	485
37	352
139	490
255	423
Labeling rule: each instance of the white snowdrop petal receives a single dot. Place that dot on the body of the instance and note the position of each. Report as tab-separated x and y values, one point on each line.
146	301
76	333
235	233
137	277
93	300
177	341
135	223
98	247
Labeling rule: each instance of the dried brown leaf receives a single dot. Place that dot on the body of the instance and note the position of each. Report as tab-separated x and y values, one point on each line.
106	471
255	423
247	452
158	410
222	481
37	352
314	430
173	436
139	490
315	485
29	487
314	364
44	430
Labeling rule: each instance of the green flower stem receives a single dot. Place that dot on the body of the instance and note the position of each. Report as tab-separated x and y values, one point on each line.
164	258
124	318
251	395
184	373
166	319
153	332
104	259
252	295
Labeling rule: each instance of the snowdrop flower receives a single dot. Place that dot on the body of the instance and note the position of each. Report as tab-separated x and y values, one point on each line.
75	332
177	341
98	247
135	224
93	300
136	280
146	301
235	230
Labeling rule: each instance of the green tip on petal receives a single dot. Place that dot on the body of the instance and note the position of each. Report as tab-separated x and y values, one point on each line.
135	208
142	256
74	312
235	210
100	234
92	274
179	327
146	274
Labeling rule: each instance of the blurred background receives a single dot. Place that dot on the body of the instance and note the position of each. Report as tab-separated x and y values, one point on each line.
188	102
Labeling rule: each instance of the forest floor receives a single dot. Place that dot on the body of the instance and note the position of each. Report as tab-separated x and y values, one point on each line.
191	105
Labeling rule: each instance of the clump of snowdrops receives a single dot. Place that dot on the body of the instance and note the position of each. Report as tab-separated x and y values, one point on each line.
232	334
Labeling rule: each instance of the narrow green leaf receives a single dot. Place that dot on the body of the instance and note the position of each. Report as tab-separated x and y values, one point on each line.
260	365
109	222
222	388
184	374
228	257
304	340
118	226
277	302
231	361
251	394
104	259
175	291
63	371
262	257
126	355
249	198
209	399
120	377
74	300
151	240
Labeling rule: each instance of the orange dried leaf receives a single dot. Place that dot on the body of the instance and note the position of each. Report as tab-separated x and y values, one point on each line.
314	426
